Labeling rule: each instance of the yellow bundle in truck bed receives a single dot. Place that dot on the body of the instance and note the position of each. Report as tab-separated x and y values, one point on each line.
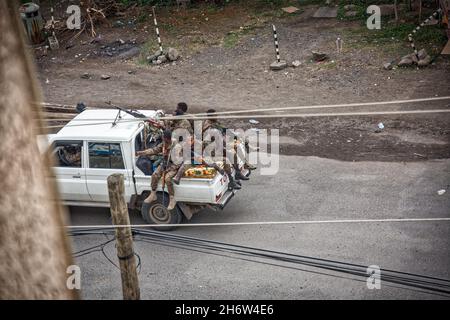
203	172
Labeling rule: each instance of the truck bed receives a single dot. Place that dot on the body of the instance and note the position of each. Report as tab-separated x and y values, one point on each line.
192	190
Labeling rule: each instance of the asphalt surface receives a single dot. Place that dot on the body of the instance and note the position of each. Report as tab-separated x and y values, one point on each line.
305	188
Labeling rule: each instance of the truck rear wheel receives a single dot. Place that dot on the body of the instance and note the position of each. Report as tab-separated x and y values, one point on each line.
157	213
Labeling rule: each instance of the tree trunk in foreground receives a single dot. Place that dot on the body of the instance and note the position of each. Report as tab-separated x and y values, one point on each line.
34	250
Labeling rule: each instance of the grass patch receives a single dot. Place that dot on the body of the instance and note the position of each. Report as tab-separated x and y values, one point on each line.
142	17
328	65
230	40
147	49
393	39
427	34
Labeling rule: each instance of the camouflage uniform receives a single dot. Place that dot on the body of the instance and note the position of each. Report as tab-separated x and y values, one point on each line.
214	125
211	124
182	124
229	150
170	169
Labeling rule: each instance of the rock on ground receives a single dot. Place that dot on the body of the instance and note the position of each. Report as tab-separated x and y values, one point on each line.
162	59
172	54
388	66
405	61
154	56
296	63
423	59
278	65
424	62
422	54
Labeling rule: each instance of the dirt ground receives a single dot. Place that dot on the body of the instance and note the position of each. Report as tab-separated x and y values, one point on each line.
225	61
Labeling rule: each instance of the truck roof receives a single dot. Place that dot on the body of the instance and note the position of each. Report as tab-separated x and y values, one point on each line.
96	124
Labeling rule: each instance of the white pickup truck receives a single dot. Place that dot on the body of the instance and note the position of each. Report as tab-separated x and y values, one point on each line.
104	149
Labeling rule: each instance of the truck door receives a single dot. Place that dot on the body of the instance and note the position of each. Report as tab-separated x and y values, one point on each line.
70	170
104	159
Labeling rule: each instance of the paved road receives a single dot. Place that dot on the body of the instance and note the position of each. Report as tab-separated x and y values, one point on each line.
305	188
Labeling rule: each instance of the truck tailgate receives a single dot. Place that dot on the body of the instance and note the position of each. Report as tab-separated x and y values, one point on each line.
196	190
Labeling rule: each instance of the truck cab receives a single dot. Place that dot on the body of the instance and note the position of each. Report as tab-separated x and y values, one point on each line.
100	142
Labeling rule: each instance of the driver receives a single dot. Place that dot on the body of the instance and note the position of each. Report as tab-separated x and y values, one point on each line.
72	155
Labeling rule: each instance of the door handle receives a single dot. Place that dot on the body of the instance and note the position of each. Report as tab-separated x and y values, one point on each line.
77	177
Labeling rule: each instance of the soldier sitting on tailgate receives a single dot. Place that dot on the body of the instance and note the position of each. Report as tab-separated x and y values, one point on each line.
212	123
167	169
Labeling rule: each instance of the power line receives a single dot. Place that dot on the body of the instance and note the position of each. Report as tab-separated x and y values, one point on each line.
297	115
342	105
190	248
309	115
430	284
295	258
101	248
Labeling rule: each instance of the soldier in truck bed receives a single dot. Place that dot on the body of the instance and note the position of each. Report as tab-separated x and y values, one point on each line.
179	123
196	158
167	168
212	123
182	106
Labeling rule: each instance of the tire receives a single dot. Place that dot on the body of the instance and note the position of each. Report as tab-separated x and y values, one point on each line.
157	213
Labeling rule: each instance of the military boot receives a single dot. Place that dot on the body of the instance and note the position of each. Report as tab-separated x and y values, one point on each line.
238	175
249	166
232	184
152	197
172	203
218	169
179	175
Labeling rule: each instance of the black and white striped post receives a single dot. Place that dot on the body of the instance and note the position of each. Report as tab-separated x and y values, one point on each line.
275	41
53	21
410	36
157	30
52	40
279	64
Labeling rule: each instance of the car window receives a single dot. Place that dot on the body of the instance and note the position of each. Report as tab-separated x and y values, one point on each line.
105	156
68	153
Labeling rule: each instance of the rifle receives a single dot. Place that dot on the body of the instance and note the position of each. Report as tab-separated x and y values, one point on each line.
164	168
135	114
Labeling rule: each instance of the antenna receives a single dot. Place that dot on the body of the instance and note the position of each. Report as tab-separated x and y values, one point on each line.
118	117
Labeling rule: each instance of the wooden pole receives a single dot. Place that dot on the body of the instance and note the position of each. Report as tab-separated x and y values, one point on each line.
34	249
124	237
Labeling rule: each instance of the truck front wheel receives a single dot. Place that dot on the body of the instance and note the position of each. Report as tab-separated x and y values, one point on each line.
157	213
